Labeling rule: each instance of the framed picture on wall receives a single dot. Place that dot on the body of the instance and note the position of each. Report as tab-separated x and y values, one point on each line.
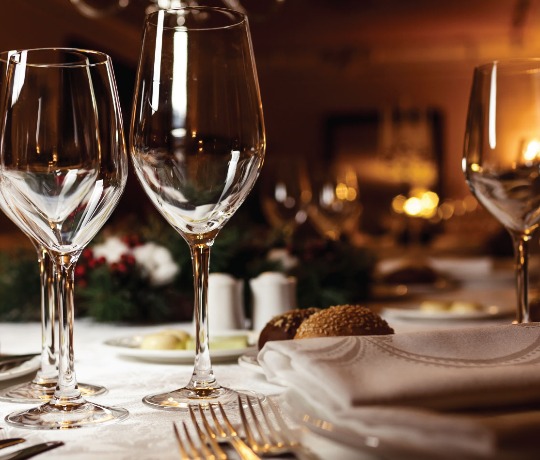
393	152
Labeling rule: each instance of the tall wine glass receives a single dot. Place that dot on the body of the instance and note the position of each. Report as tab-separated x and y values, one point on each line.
197	143
502	154
335	208
285	194
63	169
42	386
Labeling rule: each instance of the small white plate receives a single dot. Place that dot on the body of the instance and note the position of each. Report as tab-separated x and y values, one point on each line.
249	361
130	347
32	365
414	312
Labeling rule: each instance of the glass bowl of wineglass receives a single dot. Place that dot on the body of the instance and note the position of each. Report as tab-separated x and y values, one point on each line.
41	388
197	144
335	208
501	159
63	169
285	194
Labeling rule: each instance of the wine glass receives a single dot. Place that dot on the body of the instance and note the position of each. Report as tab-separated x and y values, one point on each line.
335	208
285	194
63	169
197	143
41	387
502	154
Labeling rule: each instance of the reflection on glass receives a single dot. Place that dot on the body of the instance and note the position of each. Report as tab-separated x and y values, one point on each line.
285	195
335	209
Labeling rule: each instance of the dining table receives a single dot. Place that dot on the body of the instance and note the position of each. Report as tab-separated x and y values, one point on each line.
147	433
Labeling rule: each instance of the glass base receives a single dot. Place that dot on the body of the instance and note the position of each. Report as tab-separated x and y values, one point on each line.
182	398
57	417
32	392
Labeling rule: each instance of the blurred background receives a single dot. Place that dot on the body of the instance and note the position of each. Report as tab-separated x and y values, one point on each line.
377	86
365	105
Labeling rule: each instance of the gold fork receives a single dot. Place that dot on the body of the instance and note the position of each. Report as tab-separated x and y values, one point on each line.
219	454
189	450
226	432
272	440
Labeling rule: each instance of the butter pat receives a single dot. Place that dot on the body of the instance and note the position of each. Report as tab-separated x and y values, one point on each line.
435	306
465	307
180	334
169	339
232	342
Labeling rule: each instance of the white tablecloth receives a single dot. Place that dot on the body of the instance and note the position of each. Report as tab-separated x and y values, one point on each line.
147	433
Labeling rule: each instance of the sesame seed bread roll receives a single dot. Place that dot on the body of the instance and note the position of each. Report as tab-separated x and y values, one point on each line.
284	326
343	320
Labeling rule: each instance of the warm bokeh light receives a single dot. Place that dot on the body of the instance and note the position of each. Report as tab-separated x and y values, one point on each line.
413	206
344	192
420	203
446	210
454	208
532	150
470	203
459	208
398	203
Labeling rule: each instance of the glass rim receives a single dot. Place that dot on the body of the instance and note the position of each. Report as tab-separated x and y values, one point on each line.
241	18
6	57
516	64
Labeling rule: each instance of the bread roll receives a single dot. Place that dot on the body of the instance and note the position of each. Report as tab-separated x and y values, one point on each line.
343	320
284	326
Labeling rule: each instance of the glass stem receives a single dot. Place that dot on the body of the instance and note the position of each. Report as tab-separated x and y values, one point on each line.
49	370
203	376
521	250
67	392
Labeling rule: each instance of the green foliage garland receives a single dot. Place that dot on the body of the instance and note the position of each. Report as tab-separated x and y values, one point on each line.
327	272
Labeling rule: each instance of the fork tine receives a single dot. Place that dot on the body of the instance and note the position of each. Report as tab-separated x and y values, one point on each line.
217	423
228	424
217	452
285	430
264	438
207	426
184	455
247	430
197	454
243	450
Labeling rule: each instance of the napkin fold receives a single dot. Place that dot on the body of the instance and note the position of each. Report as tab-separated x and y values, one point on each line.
427	389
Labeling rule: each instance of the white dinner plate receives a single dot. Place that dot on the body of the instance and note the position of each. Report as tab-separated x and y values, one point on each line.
367	446
249	361
27	367
130	347
374	441
414	312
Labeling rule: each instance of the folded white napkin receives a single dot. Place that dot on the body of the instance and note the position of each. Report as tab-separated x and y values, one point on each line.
396	387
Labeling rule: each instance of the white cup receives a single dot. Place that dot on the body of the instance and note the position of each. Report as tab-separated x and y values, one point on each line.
272	294
225	303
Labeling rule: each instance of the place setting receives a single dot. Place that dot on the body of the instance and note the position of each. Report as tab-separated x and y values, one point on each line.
202	291
329	380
